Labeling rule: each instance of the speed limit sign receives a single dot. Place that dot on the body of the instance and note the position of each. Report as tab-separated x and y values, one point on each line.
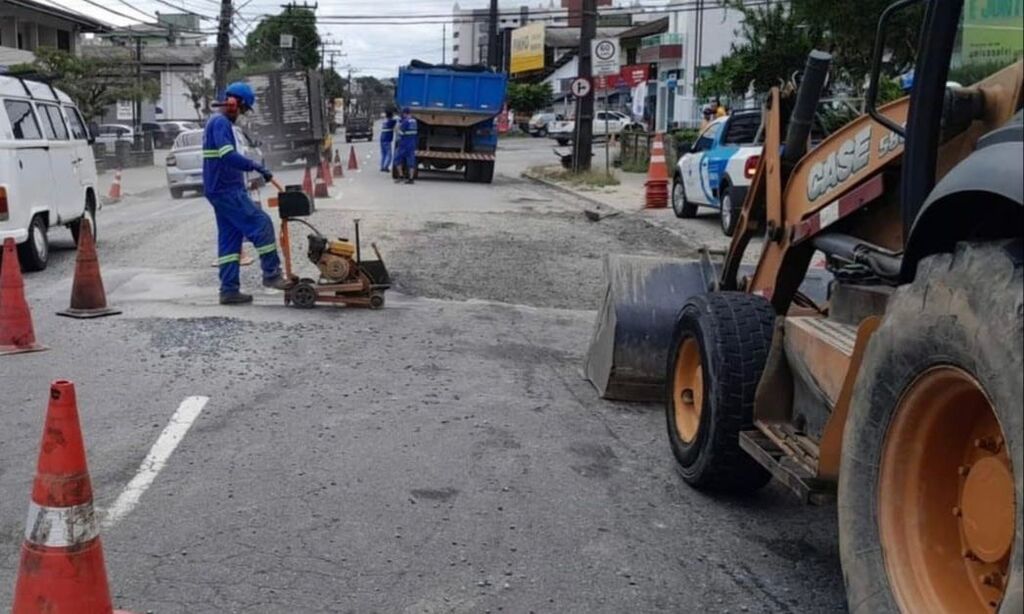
580	87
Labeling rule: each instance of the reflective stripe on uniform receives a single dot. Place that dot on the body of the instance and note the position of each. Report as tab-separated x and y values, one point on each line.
387	129
227	259
60	527
218	153
266	249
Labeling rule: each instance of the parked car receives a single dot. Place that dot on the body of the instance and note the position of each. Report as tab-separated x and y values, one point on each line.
606	123
538	124
164	132
109	134
716	169
184	165
47	170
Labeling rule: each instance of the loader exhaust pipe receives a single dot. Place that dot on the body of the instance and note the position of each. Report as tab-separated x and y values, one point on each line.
807	97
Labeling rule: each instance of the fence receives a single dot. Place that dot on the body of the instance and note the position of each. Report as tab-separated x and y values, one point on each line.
636	149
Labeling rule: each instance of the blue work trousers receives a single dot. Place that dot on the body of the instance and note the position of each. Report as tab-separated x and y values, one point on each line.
405	156
385	155
238	217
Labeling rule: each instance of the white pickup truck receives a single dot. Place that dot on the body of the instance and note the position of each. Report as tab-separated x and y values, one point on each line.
605	123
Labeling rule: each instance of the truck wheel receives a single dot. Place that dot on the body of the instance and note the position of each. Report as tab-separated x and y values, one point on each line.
729	208
34	253
930	479
719	348
680	206
562	142
486	172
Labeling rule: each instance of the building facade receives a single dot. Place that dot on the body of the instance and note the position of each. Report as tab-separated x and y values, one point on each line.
26	25
699	35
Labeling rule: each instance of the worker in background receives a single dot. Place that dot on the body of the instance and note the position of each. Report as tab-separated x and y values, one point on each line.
405	154
720	110
387	138
237	216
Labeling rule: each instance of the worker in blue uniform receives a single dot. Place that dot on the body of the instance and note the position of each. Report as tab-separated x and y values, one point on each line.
405	154
387	139
224	186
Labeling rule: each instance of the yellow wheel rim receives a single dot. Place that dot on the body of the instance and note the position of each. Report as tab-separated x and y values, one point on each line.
946	503
688	390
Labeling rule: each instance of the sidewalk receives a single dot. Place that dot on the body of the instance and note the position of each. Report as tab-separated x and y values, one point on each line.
628	199
138	180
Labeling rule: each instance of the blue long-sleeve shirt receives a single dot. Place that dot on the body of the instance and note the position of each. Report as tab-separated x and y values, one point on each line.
407	134
223	167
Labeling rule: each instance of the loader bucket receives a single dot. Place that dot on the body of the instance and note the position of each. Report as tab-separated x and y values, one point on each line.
629	348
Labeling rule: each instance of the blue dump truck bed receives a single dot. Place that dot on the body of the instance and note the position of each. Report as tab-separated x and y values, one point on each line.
455	107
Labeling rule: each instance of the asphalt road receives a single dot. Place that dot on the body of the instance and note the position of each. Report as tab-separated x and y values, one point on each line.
440	455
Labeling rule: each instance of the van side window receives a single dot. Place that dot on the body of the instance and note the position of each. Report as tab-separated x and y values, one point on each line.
53	123
78	131
23	120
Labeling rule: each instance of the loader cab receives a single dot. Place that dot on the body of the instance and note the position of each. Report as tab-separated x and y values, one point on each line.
944	197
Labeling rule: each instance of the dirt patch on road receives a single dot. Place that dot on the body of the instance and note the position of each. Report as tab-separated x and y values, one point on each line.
545	259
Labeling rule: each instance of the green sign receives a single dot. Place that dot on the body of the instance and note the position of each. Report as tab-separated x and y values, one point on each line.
993	31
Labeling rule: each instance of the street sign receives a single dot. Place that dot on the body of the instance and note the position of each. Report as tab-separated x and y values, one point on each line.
580	87
287	41
604	54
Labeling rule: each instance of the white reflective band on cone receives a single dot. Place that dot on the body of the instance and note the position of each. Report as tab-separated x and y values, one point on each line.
61	527
657	158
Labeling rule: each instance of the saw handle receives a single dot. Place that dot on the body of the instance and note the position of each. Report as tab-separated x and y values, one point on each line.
276	184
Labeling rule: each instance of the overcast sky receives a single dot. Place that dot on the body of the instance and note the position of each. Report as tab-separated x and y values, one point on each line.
375	50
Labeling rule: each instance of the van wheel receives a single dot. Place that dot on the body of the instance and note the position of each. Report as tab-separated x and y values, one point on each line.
76	226
177	193
34	253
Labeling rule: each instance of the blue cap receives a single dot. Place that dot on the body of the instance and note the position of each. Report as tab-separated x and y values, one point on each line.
242	92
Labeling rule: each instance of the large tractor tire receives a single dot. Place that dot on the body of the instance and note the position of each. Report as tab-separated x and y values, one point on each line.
930	482
718	352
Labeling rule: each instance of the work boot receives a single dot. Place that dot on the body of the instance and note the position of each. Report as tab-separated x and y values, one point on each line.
410	181
235	298
277	282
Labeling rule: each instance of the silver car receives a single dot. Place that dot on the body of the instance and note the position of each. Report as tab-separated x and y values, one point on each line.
185	161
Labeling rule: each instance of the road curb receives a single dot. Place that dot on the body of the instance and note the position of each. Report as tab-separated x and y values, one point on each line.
604	206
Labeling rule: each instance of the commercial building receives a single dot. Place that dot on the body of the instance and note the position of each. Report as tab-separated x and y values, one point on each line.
26	25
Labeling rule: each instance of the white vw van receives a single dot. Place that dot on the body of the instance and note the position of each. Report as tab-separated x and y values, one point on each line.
47	170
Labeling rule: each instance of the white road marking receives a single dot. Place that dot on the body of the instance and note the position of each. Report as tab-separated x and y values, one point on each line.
169	439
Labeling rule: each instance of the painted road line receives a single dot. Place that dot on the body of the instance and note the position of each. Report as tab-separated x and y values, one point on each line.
169	439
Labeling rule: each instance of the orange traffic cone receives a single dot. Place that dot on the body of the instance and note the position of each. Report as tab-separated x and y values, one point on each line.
337	170
657	176
307	182
320	187
61	568
88	299
353	162
325	170
114	194
16	332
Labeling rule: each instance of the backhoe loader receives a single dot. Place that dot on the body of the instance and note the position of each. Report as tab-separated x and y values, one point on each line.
898	395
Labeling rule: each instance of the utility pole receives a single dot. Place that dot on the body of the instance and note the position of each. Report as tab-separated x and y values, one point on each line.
444	43
222	57
585	105
137	110
492	35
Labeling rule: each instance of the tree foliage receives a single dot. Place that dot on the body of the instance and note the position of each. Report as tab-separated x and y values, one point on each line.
93	83
200	93
775	41
528	98
263	44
